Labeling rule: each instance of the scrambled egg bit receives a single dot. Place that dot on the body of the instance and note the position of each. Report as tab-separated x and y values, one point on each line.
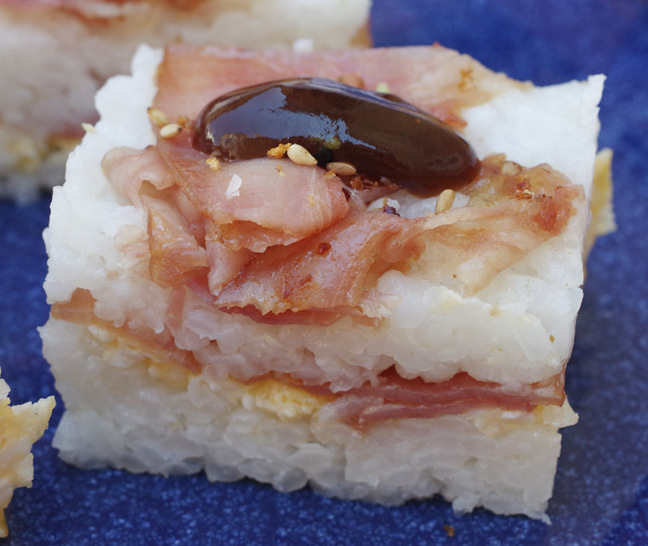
285	401
20	427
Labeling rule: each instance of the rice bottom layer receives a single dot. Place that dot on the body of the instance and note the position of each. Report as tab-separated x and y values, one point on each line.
125	410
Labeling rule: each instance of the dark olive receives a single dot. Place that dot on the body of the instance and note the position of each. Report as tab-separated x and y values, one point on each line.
382	136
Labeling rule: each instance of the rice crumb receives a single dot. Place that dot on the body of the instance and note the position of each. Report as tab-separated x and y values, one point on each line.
382	87
170	130
444	201
300	155
234	187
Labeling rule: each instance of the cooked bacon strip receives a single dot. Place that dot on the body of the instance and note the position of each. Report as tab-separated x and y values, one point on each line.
394	397
435	79
160	347
471	245
326	270
175	252
257	203
128	169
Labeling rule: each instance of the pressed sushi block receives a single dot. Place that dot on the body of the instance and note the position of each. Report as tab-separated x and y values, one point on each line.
55	54
288	306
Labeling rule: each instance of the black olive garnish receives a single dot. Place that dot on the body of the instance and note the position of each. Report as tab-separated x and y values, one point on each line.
382	136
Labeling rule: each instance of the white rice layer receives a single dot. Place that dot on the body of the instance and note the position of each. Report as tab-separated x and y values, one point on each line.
123	412
518	330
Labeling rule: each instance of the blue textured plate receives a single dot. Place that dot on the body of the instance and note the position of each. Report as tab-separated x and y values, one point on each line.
601	491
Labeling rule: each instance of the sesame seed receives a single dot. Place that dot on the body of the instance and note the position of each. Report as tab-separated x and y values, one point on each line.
88	127
444	201
213	163
170	130
158	117
509	168
382	87
524	194
353	79
341	168
300	155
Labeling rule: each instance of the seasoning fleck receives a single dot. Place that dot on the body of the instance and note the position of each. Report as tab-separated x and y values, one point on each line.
382	87
324	248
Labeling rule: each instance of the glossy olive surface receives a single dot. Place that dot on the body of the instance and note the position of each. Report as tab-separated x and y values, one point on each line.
382	136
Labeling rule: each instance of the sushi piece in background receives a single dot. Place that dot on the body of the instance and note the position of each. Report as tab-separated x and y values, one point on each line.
305	321
20	427
55	54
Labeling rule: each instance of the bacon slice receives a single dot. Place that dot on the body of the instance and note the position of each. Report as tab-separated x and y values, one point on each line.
160	346
327	270
435	79
257	203
394	397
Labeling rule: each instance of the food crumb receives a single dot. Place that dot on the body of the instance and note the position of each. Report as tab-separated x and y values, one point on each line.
213	163
278	151
449	529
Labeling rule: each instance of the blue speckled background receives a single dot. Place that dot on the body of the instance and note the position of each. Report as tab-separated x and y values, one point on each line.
601	491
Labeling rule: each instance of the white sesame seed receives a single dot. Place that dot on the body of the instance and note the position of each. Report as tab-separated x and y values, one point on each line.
88	127
300	155
158	117
382	87
341	168
444	201
170	130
